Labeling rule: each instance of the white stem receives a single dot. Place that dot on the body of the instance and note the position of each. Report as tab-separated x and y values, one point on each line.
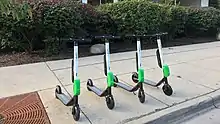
75	62
160	50
107	52
139	52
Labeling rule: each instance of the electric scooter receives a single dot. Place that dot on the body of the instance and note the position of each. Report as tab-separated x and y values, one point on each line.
167	89
67	100
107	93
140	77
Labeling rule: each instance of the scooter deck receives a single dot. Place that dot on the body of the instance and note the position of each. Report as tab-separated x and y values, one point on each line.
149	82
126	87
152	83
98	91
66	100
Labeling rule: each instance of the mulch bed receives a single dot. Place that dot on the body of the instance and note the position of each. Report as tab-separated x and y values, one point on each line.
10	59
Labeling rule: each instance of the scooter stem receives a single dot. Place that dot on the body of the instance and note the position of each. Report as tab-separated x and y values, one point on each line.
107	52
139	52
75	60
76	83
160	50
110	76
140	70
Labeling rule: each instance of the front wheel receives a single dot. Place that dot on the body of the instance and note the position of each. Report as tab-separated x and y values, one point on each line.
135	77
58	90
115	81
167	89
141	96
76	112
89	84
110	102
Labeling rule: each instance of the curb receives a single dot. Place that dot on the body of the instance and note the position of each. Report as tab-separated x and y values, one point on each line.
182	112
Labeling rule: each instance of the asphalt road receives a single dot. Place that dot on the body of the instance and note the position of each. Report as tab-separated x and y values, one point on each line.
211	117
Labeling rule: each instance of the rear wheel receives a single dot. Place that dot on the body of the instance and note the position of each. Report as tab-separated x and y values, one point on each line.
89	84
115	81
167	89
58	90
135	77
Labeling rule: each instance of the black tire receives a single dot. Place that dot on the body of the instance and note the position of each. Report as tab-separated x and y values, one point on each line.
110	102
141	96
89	83
135	77
167	89
76	112
115	81
58	91
115	78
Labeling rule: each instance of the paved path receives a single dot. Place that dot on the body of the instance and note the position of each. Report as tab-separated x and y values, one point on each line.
211	117
194	68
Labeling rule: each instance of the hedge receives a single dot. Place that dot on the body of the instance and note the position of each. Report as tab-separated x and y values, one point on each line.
148	17
202	20
178	19
49	22
58	21
137	16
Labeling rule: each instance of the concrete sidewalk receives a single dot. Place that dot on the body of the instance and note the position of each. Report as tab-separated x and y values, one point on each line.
194	74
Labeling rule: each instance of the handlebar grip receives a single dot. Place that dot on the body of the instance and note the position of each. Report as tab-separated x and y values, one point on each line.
107	37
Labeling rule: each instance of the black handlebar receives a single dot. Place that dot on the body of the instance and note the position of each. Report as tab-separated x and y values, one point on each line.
81	40
107	37
89	40
149	35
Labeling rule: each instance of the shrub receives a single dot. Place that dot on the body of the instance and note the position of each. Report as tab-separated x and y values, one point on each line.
6	40
61	21
178	19
72	19
202	19
18	25
95	22
137	16
29	24
48	24
148	17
